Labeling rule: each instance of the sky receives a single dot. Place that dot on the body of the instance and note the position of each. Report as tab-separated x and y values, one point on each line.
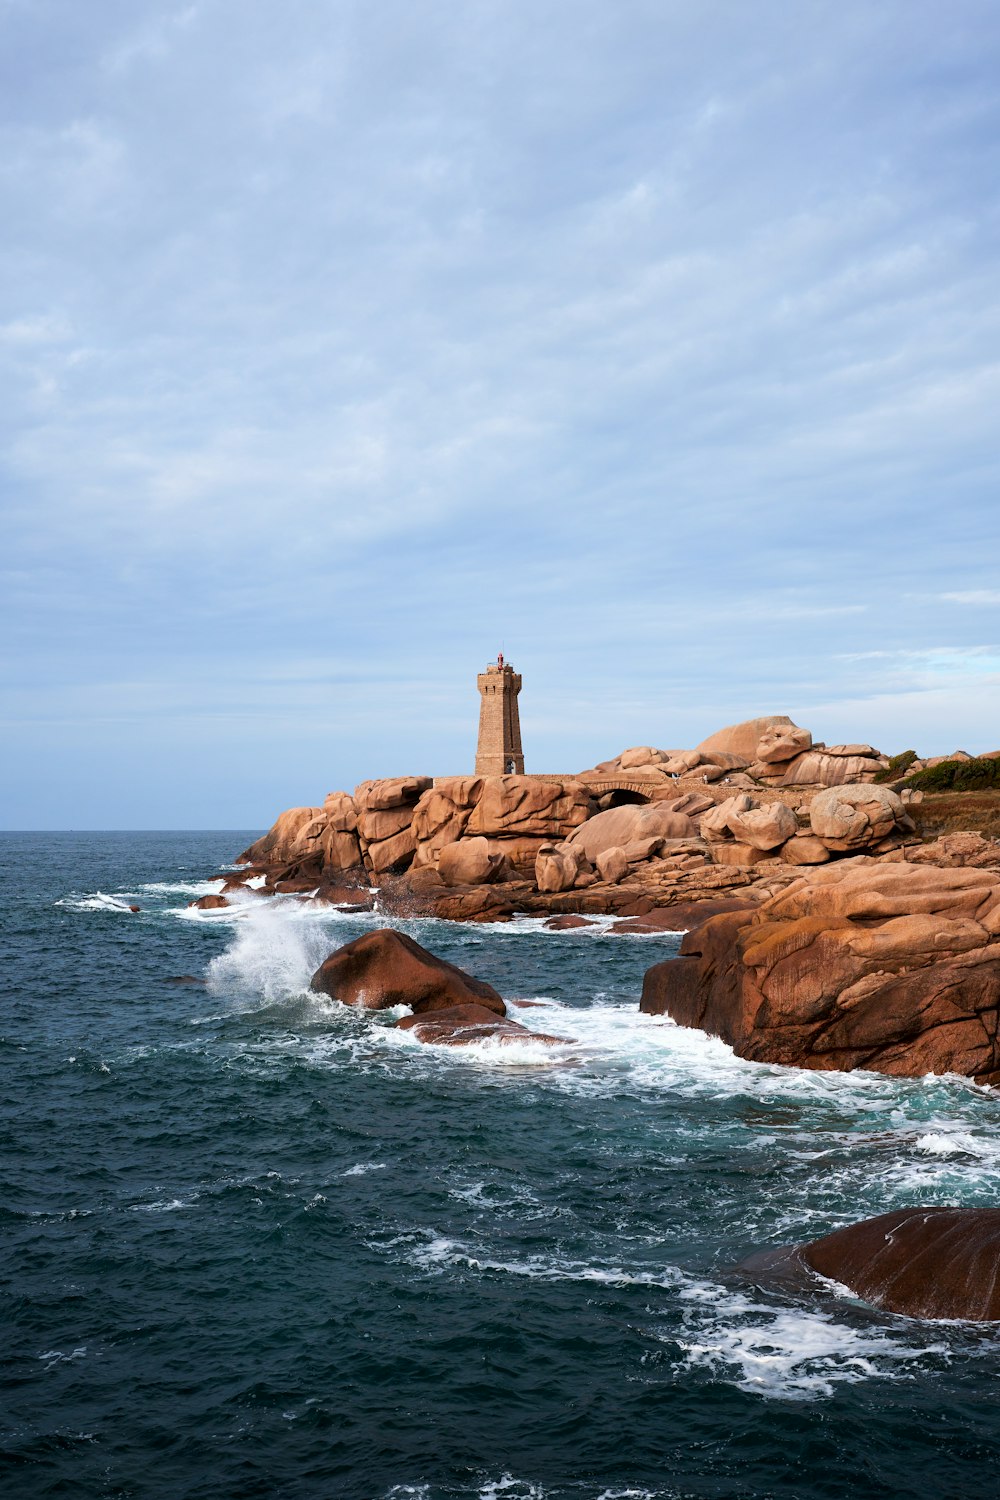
341	344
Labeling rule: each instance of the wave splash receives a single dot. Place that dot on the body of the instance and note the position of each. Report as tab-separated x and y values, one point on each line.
271	956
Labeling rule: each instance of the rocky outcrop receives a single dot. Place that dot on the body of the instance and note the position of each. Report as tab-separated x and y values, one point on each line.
893	967
833	765
782	743
804	849
613	864
739	818
441	815
326	838
558	867
918	1262
208	903
386	968
385	811
521	807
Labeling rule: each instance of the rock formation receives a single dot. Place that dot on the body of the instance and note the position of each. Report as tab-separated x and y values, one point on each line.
921	1262
893	967
857	817
469	862
644	836
743	739
325	838
624	825
385	811
386	968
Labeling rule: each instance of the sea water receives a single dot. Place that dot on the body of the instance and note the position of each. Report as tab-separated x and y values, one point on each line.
256	1243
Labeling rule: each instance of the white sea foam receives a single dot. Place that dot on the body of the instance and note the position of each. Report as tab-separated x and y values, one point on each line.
97	901
509	1488
187	888
957	1143
364	1167
787	1353
53	1357
492	1052
439	1252
163	1206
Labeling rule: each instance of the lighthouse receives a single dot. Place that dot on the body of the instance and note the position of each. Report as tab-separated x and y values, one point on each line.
499	750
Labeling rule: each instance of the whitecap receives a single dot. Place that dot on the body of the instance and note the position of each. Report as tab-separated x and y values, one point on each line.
182	887
98	901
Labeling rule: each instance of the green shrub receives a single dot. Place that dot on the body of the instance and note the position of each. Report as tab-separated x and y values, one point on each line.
897	767
957	776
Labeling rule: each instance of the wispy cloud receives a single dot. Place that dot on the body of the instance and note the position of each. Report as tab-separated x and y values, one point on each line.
401	330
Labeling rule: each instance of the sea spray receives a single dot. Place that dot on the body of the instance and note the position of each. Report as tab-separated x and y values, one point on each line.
271	955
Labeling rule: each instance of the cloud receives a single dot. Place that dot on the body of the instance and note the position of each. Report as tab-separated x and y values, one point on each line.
152	42
399	330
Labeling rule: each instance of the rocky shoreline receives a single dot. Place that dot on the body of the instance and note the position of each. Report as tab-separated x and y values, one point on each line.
824	929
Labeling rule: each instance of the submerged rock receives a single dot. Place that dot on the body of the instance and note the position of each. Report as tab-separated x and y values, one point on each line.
463	1025
386	968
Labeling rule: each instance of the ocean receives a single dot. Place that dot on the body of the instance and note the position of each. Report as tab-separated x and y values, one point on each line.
258	1244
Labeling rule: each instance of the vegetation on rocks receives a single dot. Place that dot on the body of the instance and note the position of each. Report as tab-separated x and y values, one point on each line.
897	767
975	775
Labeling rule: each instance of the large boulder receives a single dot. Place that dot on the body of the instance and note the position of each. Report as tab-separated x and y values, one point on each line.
557	867
469	862
386	968
741	819
782	743
918	1262
857	817
612	864
640	755
893	967
742	739
804	849
624	825
765	827
714	824
834	765
391	792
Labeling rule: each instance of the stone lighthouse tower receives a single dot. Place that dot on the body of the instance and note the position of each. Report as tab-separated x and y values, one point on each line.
499	751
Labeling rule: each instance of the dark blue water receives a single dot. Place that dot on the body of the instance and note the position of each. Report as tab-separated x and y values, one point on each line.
255	1244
